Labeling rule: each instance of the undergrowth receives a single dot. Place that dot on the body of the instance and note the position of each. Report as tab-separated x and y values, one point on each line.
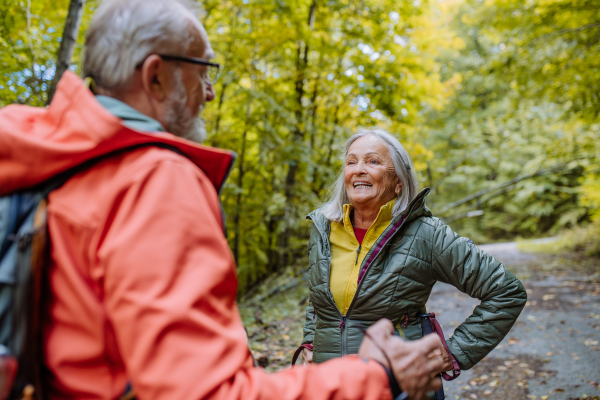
583	240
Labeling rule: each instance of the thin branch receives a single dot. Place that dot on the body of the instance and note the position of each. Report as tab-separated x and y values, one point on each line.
503	185
563	32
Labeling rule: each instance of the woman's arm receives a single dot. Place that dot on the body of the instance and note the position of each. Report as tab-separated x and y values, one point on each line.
309	324
458	262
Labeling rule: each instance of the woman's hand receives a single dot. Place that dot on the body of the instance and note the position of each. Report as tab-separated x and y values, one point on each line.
442	352
306	356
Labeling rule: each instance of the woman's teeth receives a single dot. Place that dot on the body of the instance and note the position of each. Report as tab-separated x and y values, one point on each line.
362	185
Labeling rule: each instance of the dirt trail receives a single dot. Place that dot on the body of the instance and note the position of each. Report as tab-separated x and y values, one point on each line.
552	352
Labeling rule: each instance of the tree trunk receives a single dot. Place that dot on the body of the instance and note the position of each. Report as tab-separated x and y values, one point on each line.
67	45
297	135
317	189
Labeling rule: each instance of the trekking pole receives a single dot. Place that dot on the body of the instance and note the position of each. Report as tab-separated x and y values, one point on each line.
426	328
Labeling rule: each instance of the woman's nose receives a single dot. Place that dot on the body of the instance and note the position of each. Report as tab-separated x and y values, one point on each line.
360	168
210	92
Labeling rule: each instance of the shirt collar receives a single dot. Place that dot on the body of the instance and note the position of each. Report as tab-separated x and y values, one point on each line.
131	117
384	214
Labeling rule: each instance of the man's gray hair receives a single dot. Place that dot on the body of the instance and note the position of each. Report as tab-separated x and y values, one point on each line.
334	207
124	32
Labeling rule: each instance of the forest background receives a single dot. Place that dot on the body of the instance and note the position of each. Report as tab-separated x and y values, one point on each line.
496	101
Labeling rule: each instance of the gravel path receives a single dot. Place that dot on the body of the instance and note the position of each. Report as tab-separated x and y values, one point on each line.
552	352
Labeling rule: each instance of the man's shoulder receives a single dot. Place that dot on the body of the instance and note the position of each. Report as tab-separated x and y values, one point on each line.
143	161
88	196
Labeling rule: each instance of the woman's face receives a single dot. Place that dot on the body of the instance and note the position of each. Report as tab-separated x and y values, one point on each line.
369	174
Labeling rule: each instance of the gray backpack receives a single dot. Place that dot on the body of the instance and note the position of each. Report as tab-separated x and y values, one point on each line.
24	252
24	249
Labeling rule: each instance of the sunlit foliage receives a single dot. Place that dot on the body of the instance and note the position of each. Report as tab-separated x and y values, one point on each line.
495	100
30	33
526	108
299	78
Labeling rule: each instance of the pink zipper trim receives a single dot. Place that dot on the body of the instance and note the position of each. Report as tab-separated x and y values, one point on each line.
380	246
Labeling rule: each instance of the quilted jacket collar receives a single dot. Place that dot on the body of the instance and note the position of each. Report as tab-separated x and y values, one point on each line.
415	209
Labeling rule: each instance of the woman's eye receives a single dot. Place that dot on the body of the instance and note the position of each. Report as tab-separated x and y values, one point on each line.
373	162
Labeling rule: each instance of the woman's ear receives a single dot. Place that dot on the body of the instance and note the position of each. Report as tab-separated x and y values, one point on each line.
398	189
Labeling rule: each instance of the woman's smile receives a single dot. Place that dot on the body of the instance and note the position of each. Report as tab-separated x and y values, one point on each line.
362	185
369	174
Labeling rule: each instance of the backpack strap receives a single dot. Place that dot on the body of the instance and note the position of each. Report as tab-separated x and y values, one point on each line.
61	178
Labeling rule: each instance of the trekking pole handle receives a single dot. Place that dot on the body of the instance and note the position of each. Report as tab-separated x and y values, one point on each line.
427	328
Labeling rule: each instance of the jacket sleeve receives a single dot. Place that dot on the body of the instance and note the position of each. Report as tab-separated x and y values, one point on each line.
311	317
459	262
309	324
169	289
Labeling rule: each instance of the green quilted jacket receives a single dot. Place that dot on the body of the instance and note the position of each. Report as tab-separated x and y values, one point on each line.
410	256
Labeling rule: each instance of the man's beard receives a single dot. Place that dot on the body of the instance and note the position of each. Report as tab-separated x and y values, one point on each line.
179	120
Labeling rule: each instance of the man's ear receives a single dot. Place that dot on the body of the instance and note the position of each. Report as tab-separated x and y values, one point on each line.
156	77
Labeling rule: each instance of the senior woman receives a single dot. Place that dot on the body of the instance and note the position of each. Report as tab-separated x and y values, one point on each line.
375	251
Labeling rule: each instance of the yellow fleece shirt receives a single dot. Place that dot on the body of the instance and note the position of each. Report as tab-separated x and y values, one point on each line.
345	265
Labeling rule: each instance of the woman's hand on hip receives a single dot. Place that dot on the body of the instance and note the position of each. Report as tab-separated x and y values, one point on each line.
307	356
442	352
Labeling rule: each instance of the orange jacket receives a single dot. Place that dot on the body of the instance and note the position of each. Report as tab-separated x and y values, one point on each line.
143	281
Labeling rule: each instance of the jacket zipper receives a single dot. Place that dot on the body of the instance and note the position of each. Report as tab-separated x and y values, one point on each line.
342	325
344	336
344	318
367	270
357	253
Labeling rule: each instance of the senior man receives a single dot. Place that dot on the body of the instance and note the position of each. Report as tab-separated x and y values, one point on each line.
143	282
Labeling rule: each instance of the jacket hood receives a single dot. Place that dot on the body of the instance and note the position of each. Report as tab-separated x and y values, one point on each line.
415	209
38	143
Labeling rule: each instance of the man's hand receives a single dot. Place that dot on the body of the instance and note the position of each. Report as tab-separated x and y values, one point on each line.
415	364
380	333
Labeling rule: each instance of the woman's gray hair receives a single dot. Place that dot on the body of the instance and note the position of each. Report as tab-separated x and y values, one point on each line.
123	33
334	207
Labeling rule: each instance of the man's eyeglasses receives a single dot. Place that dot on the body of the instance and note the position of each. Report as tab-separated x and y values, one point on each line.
212	68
